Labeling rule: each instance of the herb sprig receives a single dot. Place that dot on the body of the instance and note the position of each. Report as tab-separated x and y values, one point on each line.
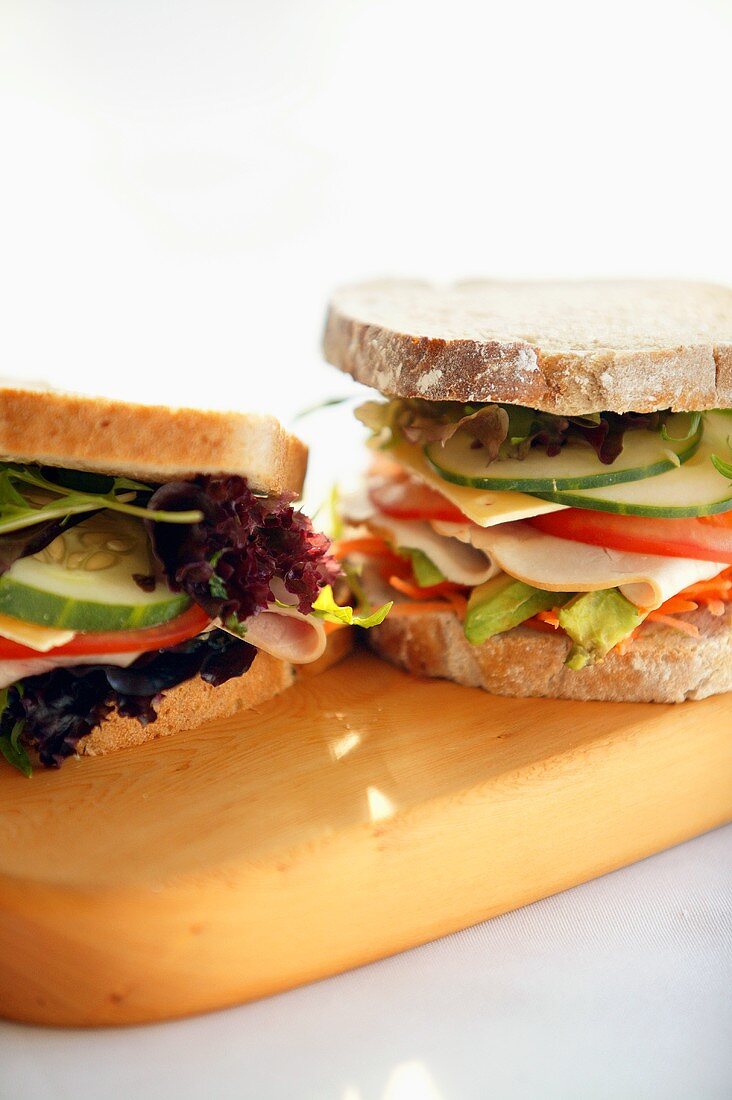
19	510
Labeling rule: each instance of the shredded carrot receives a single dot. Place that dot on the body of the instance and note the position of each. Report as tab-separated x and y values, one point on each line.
713	594
366	545
676	605
546	621
395	567
551	618
718	588
707	590
408	588
332	628
540	624
458	603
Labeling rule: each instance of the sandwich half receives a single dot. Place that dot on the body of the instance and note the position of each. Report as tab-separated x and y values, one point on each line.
550	501
154	573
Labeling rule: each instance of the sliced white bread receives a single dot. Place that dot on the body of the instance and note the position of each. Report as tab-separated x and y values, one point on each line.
147	442
190	705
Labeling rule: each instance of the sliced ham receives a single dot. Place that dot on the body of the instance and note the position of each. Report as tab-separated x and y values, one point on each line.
458	562
12	671
560	565
285	633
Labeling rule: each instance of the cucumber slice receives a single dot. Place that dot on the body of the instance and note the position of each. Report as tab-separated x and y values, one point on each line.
645	454
694	489
83	580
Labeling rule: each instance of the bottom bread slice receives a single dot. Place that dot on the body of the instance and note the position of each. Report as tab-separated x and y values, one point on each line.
190	704
661	665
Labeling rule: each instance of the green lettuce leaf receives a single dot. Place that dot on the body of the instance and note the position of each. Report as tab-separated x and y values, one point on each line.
327	609
505	431
424	422
22	505
425	571
10	746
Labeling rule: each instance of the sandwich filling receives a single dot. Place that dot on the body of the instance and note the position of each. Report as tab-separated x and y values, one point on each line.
113	591
588	527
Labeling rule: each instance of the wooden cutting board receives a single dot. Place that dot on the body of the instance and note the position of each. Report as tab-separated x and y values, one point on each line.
361	813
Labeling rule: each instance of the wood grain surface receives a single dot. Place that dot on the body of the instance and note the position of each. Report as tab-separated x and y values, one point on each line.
358	814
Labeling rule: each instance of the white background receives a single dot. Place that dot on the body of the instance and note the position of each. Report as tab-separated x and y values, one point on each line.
181	184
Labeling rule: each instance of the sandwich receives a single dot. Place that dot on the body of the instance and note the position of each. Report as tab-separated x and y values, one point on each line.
154	573
549	501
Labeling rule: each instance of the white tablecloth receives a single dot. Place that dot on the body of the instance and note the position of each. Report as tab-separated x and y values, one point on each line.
617	989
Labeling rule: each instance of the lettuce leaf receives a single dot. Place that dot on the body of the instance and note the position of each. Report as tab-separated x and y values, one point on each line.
28	498
329	611
502	431
52	711
10	746
424	422
425	571
243	542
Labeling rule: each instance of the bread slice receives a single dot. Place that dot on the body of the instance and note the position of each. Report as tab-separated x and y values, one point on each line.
194	702
190	705
149	442
564	347
662	665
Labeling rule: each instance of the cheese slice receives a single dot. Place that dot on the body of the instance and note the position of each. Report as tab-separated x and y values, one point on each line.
479	505
285	633
40	638
560	565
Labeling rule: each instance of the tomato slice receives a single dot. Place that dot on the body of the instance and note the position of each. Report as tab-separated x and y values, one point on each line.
670	538
412	499
184	626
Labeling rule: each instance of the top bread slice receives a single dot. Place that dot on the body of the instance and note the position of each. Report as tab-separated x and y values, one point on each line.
148	442
564	347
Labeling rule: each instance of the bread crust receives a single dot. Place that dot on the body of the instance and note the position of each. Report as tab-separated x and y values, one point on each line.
564	347
149	442
190	704
662	665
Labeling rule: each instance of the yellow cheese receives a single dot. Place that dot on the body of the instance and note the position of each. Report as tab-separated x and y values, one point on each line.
479	505
40	638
